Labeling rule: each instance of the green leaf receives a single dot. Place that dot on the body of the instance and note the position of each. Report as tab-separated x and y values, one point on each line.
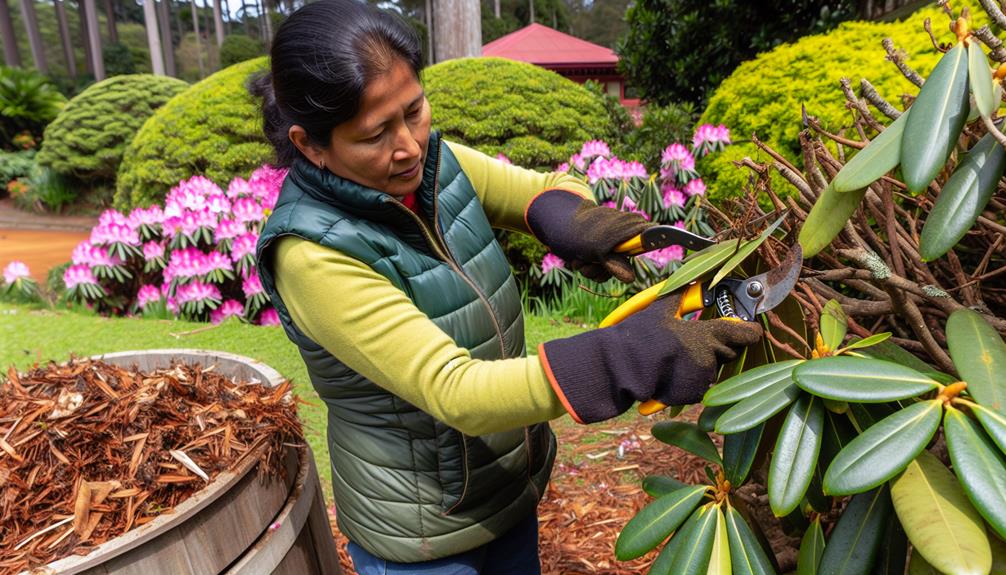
746	553
838	433
862	380
811	549
719	558
756	409
693	556
893	352
689	437
998	556
834	324
858	534
739	451
658	485
994	424
962	198
938	518
745	250
795	456
979	355
918	565
656	522
866	342
883	450
830	213
750	383
978	466
937	118
880	156
709	415
980	78
665	560
893	551
700	264
837	407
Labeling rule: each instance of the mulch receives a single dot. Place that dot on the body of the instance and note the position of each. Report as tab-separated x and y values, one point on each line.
590	501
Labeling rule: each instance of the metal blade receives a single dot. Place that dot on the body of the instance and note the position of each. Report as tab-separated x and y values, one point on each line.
659	237
779	281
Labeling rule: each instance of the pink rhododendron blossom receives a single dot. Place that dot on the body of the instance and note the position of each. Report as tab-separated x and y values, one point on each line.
628	205
239	188
550	262
563	167
192	221
14	271
146	216
196	291
695	187
502	157
268	317
172	305
615	169
147	295
230	308
218	204
673	197
579	161
185	264
679	224
112	217
251	285
243	245
228	229
110	233
675	153
215	261
247	210
153	250
664	256
89	254
595	148
709	134
80	274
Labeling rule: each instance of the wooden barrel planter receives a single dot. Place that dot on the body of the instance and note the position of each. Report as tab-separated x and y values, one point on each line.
239	524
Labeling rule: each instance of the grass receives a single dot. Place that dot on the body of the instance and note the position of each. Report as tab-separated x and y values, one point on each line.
30	335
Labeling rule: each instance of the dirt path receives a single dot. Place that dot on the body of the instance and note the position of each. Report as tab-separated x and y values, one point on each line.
40	249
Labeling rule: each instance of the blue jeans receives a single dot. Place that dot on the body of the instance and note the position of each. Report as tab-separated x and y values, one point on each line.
513	553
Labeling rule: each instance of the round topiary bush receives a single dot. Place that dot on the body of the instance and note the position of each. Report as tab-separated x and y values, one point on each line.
764	96
238	48
88	137
212	129
534	116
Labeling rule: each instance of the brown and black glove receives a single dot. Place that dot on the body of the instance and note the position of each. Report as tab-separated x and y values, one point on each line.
584	234
649	355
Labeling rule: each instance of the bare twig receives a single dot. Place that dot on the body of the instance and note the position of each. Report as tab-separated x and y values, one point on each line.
989	39
858	104
929	29
898	58
878	101
994	12
991	127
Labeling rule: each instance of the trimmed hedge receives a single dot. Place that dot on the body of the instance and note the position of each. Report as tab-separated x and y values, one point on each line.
764	96
213	129
88	137
534	116
238	48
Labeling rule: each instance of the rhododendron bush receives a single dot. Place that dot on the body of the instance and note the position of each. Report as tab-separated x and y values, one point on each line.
193	257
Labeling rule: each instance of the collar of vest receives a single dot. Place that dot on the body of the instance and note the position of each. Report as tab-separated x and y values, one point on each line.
361	201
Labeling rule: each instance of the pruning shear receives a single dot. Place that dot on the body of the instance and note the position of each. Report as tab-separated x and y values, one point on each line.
657	237
734	299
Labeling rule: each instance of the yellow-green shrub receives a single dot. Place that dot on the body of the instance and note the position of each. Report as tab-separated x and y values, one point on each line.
213	129
764	96
89	135
534	116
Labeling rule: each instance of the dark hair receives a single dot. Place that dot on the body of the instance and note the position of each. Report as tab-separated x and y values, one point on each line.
323	56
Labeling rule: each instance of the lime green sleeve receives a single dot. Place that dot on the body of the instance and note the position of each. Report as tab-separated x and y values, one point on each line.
376	330
506	190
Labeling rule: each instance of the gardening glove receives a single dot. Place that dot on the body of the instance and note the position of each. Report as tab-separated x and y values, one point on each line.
649	355
584	234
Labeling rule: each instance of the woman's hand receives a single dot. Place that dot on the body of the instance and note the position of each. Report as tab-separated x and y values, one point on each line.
584	234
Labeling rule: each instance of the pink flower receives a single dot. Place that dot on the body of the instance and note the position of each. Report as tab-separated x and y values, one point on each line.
563	167
196	291
227	229
112	217
147	294
146	216
185	264
251	285
172	305
14	271
192	221
579	161
247	210
675	153
628	205
502	157
664	256
244	245
239	188
91	255
215	261
110	233
266	183
634	170
230	308
709	138
550	262
79	274
695	187
218	204
595	148
673	197
268	317
153	250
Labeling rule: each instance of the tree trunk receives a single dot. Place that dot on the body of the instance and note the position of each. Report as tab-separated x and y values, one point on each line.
199	41
496	9
229	17
267	20
113	29
94	37
429	32
530	19
167	41
64	36
82	20
218	23
10	55
153	37
459	29
34	37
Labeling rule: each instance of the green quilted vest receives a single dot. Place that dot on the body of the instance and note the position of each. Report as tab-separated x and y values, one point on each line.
408	487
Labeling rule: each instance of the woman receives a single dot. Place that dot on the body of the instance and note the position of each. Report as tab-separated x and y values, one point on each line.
381	261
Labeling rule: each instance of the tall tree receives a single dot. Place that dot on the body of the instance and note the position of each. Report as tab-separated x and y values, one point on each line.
84	39
167	40
459	29
267	21
10	55
34	36
113	29
199	41
153	37
218	23
94	37
64	36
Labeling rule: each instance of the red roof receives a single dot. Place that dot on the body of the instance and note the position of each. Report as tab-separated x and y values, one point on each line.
543	46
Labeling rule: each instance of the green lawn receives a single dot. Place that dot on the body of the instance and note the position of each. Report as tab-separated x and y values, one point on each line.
30	335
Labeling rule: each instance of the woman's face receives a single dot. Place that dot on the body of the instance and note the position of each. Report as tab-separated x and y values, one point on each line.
384	145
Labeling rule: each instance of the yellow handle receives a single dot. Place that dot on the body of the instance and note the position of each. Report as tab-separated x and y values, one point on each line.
631	246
